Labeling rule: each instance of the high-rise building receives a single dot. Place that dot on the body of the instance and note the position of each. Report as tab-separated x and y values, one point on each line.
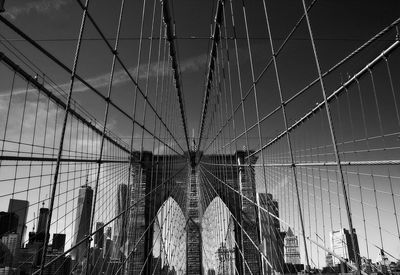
6	258
42	222
272	237
107	234
329	260
96	260
292	252
19	207
8	223
120	223
82	222
61	266
108	246
27	260
12	241
58	242
342	245
99	236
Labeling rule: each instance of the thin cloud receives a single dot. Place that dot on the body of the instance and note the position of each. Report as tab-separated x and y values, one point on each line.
40	6
192	64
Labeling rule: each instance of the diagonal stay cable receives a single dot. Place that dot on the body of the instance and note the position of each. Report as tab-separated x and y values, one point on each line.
213	54
110	221
240	225
151	222
269	63
175	65
125	68
138	240
53	97
203	168
85	83
315	81
331	97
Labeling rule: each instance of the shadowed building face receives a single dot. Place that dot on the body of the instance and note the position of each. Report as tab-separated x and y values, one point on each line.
19	207
82	222
8	222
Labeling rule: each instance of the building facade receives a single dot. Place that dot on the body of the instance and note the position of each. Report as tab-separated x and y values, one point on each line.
82	222
273	238
121	222
20	208
292	251
342	245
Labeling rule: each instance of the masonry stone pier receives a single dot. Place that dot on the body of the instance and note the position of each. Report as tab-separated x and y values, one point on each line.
188	185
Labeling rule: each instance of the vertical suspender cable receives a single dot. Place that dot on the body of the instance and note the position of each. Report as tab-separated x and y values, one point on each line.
60	148
333	136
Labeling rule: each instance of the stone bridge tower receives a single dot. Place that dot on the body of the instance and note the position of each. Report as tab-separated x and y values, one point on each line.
184	178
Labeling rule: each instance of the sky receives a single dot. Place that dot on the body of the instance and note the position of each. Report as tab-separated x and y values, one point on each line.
339	27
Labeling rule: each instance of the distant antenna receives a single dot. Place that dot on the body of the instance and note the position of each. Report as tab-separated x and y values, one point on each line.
87	180
34	218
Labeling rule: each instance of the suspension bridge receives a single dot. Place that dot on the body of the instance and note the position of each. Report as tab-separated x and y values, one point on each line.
199	137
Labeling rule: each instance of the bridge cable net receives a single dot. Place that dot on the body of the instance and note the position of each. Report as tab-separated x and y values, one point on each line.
86	176
284	179
309	177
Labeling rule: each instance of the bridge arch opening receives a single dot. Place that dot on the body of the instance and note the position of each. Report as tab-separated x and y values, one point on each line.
169	238
218	238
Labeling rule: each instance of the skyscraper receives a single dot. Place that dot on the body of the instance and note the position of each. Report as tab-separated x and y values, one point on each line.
270	228
42	222
107	234
12	241
8	223
292	252
99	236
58	242
19	207
82	222
43	216
342	245
108	245
120	223
329	259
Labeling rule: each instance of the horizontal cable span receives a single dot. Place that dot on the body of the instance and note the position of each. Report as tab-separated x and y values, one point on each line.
331	97
326	163
41	88
131	206
44	159
302	91
89	86
279	219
